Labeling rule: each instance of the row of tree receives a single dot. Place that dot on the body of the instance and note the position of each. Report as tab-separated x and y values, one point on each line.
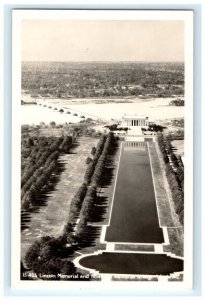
91	166
170	158
41	164
154	127
35	154
82	203
175	174
88	207
114	127
177	102
48	254
177	193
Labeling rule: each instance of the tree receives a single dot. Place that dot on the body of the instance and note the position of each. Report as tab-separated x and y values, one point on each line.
52	124
30	142
32	254
81	227
93	150
68	230
22	268
67	267
88	160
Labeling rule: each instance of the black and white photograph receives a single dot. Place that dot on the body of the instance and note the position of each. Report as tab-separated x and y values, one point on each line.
102	167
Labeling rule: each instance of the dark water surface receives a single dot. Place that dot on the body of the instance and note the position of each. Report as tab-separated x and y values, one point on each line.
133	263
134	216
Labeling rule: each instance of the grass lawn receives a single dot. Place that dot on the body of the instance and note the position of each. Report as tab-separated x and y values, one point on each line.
53	215
130	247
175	246
162	198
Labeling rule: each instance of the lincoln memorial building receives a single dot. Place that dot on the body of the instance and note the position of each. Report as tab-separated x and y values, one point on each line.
134	121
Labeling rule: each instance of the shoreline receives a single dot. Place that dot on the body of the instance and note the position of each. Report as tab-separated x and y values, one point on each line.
111	99
104	109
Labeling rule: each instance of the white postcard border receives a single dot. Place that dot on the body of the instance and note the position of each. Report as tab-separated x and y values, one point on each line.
18	16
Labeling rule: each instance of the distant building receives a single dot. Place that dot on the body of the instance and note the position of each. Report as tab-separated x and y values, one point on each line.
134	121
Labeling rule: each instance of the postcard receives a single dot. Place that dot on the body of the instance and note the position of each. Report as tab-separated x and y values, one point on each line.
102	156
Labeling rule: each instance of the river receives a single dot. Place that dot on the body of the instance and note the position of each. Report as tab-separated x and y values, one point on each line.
155	109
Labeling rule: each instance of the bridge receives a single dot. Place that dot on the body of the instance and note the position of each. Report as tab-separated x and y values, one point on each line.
64	109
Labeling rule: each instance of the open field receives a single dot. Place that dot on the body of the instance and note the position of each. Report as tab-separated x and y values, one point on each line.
51	218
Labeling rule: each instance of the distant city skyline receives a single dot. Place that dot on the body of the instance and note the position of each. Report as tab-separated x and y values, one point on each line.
102	41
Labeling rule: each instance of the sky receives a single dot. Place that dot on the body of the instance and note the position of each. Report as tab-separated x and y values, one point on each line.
90	40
